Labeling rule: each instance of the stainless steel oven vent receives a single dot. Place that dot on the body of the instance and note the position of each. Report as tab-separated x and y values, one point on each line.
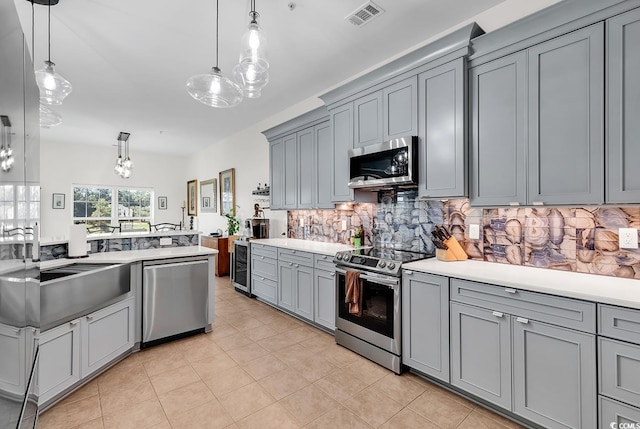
364	14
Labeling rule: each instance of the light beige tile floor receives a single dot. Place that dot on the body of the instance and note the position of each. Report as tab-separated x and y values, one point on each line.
260	368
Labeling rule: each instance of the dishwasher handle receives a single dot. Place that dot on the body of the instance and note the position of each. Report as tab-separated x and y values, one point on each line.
173	262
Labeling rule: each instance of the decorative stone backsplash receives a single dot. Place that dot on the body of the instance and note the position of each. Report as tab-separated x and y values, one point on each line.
59	251
580	239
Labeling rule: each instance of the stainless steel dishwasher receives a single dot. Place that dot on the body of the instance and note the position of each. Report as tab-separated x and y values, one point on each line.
174	298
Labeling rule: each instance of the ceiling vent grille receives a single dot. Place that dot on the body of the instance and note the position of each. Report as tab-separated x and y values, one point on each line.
364	14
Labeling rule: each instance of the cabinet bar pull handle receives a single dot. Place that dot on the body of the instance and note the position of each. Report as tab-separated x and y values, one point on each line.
324	257
293	251
291	264
522	320
72	324
89	318
514	203
509	290
296	265
261	257
497	314
538	203
408	272
262	278
333	274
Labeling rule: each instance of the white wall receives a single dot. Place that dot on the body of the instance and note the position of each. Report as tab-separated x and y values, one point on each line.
63	165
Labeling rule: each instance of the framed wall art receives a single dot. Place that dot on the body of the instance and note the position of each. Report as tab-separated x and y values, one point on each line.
209	196
58	201
162	203
227	191
192	198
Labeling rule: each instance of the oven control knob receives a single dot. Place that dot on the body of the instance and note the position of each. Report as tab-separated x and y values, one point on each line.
391	265
382	264
339	257
346	258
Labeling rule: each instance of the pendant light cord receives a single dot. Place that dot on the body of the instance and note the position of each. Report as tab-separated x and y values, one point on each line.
49	29
33	32
217	30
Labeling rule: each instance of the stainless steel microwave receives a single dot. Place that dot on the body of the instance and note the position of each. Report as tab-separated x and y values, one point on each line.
393	163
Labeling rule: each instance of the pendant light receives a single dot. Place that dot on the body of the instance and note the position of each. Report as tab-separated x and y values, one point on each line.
53	87
6	153
123	167
49	117
251	73
213	89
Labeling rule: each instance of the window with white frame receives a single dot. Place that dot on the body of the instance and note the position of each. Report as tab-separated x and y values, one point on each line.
19	206
103	208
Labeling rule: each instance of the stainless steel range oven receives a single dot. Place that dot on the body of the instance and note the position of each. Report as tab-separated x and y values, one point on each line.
375	330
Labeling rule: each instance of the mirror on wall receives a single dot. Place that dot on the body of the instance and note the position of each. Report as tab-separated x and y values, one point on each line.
209	196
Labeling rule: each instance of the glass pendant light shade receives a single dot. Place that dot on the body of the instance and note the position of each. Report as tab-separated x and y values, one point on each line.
49	117
254	45
53	87
251	79
214	90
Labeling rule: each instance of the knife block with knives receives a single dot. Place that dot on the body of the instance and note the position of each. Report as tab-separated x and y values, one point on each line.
447	247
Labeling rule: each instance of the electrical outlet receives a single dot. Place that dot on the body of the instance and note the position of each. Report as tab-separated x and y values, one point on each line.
628	238
165	241
474	231
344	224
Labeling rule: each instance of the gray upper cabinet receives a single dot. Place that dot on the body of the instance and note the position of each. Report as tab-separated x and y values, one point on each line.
341	119
498	132
290	200
623	92
300	162
276	174
425	323
441	124
306	169
322	152
566	113
400	109
368	119
554	375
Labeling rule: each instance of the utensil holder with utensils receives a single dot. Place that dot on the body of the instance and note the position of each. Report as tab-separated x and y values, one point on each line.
447	247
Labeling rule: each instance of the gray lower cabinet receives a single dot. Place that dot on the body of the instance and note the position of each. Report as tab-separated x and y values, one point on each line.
264	272
530	353
106	334
13	346
619	365
566	115
77	349
341	119
425	323
286	285
623	110
442	131
324	283
616	412
59	360
498	132
554	375
481	353
295	289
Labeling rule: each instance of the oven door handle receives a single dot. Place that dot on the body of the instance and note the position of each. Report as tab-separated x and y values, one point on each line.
391	282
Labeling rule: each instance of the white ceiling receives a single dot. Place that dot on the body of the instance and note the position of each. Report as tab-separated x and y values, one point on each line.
128	60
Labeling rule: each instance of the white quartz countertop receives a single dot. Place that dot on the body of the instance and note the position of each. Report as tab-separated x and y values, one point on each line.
305	245
591	287
128	256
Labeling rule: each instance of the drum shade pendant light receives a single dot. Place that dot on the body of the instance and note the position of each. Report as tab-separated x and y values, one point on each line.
251	73
124	166
53	87
213	89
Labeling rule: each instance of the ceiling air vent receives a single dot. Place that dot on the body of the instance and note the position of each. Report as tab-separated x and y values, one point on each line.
364	14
